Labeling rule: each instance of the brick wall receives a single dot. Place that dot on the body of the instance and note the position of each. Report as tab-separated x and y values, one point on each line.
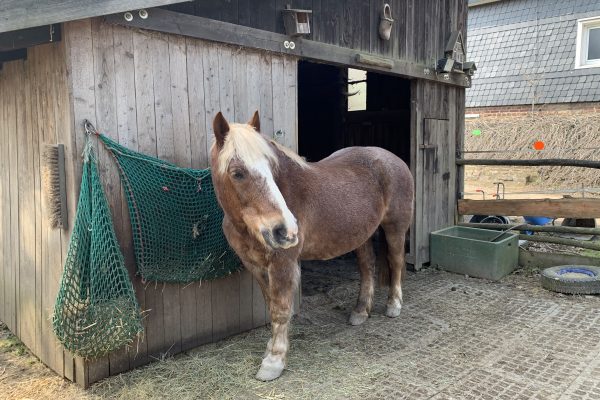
506	111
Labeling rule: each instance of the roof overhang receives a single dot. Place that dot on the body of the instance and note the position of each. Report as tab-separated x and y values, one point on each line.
22	14
475	3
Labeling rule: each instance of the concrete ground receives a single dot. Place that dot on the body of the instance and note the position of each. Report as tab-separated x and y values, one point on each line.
457	338
466	338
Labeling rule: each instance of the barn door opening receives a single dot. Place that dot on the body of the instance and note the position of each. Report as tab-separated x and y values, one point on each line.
340	107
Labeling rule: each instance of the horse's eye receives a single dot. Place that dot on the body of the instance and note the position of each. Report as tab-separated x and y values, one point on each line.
239	175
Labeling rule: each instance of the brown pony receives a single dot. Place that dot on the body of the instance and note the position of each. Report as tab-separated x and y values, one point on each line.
280	209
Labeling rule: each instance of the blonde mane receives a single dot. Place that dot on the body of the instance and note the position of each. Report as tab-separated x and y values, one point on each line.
243	142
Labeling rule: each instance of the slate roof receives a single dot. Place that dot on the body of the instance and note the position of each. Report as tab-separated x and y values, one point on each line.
525	52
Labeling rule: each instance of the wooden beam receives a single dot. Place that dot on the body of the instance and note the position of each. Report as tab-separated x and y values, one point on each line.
29	37
559	162
12	55
204	28
534	228
22	14
475	3
565	242
553	208
528	258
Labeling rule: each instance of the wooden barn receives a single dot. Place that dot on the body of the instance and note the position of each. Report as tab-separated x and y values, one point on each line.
152	74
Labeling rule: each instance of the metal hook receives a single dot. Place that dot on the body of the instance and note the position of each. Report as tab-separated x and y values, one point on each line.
89	128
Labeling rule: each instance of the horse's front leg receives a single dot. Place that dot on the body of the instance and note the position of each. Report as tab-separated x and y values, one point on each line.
283	283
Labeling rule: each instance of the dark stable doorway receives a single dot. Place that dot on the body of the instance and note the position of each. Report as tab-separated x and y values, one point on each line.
335	112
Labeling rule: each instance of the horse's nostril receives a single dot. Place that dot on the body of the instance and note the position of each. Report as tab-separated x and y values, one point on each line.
280	233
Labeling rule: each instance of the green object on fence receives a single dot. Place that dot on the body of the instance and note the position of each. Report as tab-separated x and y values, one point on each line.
175	219
96	311
476	132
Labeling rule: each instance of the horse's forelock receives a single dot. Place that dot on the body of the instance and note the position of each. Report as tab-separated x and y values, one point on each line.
248	146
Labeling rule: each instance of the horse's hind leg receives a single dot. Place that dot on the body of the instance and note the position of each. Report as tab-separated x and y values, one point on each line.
395	237
366	265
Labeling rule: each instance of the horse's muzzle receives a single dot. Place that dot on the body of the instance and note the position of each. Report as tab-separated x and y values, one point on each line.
279	237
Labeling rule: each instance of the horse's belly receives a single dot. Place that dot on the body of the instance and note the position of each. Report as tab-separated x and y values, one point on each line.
325	244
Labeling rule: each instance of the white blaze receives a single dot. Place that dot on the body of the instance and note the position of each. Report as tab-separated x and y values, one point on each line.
263	168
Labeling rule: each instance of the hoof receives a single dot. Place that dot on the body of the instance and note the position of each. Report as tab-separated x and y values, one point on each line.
270	370
393	311
358	318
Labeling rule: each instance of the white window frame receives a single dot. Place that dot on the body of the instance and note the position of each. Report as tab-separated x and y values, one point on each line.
583	34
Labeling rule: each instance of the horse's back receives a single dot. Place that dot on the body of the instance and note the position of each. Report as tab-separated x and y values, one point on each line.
384	165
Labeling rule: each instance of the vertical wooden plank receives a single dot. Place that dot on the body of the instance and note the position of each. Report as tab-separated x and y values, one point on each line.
204	312
279	132
226	291
104	91
197	113
183	157
210	62
4	211
410	33
128	136
316	20
144	94
53	257
253	84
265	89
399	32
417	169
226	11
78	41
11	320
165	147
204	295
290	99
45	342
453	124
65	135
27	221
225	306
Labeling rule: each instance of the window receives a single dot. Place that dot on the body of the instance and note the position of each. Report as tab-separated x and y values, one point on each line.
588	43
357	90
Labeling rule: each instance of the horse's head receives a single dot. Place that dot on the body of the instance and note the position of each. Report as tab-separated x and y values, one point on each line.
243	165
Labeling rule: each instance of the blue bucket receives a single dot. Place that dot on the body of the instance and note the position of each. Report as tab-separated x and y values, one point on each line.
537	220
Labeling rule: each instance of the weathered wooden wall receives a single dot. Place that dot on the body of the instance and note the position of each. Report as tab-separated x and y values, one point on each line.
158	94
153	93
34	111
419	32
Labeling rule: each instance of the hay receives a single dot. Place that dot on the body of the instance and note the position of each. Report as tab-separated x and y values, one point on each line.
325	362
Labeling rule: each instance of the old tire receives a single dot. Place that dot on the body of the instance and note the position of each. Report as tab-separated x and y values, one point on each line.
572	279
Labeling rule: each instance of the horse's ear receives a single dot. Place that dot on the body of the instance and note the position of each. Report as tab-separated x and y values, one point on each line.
220	127
255	121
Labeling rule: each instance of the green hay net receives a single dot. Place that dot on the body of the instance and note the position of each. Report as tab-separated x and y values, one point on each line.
96	310
175	219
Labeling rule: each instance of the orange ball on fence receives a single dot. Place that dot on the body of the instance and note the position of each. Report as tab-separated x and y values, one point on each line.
539	145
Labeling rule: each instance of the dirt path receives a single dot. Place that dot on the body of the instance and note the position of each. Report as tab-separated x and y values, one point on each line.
456	338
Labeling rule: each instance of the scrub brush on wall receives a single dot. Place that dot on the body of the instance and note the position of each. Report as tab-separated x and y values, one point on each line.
54	184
